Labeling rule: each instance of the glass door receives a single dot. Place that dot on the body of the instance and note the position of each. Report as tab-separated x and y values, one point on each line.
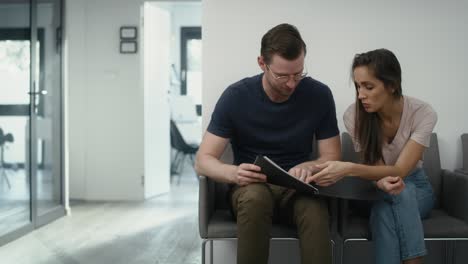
15	79
31	174
47	110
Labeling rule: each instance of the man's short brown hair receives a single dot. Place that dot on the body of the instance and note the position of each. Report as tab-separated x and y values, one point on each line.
283	40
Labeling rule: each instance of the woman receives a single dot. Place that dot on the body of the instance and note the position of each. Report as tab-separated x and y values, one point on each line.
390	131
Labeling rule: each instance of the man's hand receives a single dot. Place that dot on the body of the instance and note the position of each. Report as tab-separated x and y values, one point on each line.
300	172
392	185
330	172
247	173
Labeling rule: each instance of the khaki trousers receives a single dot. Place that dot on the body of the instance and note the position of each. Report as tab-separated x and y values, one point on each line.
256	206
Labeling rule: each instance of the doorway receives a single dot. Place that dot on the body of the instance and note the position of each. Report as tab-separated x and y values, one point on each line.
185	46
190	64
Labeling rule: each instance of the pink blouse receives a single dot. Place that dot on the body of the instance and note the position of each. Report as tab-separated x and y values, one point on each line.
417	122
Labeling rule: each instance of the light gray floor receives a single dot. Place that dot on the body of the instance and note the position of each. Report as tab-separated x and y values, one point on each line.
14	199
161	230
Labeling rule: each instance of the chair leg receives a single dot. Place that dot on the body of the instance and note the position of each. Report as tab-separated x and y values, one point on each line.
182	162
175	163
181	167
2	166
203	255
211	252
4	175
192	158
203	251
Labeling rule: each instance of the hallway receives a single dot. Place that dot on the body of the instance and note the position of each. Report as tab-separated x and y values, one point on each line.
161	230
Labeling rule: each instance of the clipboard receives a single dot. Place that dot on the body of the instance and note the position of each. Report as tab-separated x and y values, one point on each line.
353	188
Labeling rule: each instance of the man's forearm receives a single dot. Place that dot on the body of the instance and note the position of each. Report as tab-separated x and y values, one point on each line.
213	168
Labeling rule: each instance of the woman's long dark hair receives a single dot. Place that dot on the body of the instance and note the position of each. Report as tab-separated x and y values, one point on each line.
384	65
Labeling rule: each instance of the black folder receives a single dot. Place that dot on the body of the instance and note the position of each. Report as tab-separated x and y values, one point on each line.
347	188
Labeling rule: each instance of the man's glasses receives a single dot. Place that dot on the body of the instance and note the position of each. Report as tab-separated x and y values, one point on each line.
285	78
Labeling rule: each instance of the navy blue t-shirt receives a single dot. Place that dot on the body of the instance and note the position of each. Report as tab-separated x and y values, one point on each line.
282	131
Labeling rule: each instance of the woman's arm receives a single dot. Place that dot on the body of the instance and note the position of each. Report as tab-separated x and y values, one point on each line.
332	171
329	149
406	162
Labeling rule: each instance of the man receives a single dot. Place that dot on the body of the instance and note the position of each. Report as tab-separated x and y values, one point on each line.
277	114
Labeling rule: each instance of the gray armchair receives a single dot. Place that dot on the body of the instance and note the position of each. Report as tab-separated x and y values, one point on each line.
217	223
464	169
445	231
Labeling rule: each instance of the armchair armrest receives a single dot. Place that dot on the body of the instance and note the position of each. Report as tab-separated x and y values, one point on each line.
462	171
342	224
206	194
333	211
455	194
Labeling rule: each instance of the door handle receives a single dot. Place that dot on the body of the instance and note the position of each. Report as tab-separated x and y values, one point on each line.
41	92
184	73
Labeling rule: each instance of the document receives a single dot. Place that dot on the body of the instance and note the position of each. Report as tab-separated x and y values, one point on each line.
347	188
277	176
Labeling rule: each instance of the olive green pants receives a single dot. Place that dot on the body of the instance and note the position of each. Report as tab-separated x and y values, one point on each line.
258	205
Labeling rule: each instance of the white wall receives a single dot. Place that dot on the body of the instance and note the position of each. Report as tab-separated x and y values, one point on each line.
105	108
105	101
428	37
75	79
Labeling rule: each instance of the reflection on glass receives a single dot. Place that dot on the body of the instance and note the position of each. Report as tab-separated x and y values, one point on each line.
14	115
14	179
14	71
194	76
47	107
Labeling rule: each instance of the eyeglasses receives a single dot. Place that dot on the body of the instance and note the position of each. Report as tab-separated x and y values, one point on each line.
285	78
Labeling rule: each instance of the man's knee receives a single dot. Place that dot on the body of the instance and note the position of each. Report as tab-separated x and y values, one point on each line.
312	211
254	200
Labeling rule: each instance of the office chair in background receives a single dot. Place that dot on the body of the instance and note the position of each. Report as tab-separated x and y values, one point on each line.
4	138
183	149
